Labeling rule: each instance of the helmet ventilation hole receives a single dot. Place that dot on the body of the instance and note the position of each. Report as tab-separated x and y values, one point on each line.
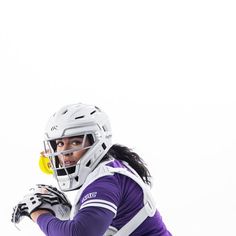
79	117
64	112
88	163
104	146
92	112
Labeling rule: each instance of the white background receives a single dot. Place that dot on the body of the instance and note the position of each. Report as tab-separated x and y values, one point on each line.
164	72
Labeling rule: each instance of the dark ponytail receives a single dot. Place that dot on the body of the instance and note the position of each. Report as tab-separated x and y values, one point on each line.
123	153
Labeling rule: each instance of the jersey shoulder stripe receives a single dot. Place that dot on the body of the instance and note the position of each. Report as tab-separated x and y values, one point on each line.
100	203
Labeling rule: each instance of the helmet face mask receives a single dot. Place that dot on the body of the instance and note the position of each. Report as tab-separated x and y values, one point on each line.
50	146
57	157
93	128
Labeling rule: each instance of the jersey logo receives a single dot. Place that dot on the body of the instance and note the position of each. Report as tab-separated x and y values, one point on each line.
88	196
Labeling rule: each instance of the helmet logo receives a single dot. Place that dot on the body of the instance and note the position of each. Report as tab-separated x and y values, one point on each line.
54	128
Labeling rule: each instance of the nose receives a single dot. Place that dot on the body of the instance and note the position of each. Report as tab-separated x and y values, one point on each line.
66	147
67	154
66	158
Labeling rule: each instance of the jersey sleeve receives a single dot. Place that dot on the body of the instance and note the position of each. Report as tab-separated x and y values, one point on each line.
97	208
92	222
103	193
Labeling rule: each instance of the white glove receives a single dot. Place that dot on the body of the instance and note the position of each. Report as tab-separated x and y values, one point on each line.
43	197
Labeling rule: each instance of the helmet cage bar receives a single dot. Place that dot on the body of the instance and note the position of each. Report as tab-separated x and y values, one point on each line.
66	171
66	152
53	155
63	165
49	150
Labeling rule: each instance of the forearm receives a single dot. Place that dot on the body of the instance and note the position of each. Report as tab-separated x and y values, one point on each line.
34	216
92	222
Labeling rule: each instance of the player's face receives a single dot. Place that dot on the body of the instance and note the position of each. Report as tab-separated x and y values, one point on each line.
70	143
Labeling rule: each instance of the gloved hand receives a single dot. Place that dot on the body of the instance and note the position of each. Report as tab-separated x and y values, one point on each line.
43	197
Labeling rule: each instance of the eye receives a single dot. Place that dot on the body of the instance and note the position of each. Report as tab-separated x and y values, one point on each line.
59	143
76	142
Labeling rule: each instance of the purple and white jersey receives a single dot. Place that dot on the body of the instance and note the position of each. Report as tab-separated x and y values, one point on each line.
109	201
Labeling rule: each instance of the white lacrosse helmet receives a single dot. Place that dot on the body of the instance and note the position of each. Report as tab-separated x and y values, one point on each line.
82	120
